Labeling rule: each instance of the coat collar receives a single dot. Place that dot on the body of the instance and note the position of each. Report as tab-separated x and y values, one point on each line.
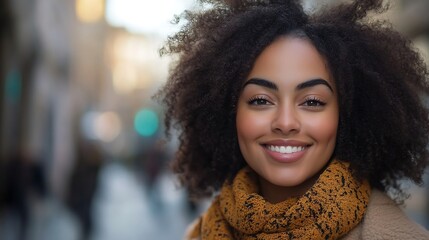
384	219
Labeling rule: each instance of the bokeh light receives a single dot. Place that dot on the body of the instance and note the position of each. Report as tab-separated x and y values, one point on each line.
107	126
125	78
87	125
13	86
146	122
89	10
145	16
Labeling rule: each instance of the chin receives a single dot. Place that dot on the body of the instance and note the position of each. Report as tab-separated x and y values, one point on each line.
288	182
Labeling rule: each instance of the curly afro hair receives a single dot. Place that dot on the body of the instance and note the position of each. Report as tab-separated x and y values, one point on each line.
383	130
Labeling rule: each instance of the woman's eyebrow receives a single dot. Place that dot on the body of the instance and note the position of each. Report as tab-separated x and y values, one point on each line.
273	86
262	82
313	82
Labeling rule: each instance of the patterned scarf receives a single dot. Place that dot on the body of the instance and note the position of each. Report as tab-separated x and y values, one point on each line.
331	208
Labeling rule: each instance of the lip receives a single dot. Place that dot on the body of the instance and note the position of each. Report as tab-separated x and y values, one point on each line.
281	142
285	157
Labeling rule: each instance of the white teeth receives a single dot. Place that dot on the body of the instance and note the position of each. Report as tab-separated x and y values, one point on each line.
287	149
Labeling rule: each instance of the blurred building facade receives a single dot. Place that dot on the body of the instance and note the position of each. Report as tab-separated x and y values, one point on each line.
68	79
59	62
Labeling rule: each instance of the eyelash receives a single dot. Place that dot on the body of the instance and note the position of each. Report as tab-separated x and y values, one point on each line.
313	102
256	101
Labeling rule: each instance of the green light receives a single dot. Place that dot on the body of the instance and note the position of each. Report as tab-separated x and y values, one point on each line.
146	122
13	86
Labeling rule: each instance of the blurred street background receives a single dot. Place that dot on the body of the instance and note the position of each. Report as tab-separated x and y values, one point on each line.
83	154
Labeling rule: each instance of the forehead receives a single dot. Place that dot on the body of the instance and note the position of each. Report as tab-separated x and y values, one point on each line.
290	59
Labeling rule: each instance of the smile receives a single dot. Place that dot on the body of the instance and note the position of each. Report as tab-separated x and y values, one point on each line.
285	149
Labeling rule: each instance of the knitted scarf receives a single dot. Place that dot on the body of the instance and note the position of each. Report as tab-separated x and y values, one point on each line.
331	208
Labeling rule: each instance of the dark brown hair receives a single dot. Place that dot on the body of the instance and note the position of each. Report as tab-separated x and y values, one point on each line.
384	127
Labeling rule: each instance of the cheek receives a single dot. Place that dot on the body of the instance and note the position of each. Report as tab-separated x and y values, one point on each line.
250	124
323	128
243	124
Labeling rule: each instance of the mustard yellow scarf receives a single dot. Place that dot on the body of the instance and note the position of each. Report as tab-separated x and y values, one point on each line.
331	208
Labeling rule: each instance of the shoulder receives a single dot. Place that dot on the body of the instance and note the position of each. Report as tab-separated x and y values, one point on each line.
384	219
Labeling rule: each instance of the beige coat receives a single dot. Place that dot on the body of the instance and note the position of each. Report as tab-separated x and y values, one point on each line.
383	220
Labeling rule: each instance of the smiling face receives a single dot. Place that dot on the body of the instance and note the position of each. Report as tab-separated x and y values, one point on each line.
287	118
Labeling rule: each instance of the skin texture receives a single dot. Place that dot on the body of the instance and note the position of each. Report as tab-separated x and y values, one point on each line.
288	115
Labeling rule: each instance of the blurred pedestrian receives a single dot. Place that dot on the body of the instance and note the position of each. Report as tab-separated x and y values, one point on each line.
23	181
83	184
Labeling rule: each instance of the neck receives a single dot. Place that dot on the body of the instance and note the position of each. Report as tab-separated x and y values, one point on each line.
275	193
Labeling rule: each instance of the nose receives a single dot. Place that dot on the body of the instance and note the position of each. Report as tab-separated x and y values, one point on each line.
286	120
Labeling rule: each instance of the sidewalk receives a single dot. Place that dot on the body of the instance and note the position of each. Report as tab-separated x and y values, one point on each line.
122	210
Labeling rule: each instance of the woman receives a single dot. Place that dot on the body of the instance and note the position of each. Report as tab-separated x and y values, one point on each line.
302	122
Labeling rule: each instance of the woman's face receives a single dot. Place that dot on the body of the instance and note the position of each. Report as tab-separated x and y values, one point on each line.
287	115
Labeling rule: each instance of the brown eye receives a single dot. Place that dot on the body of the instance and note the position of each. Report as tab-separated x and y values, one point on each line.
259	101
313	102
